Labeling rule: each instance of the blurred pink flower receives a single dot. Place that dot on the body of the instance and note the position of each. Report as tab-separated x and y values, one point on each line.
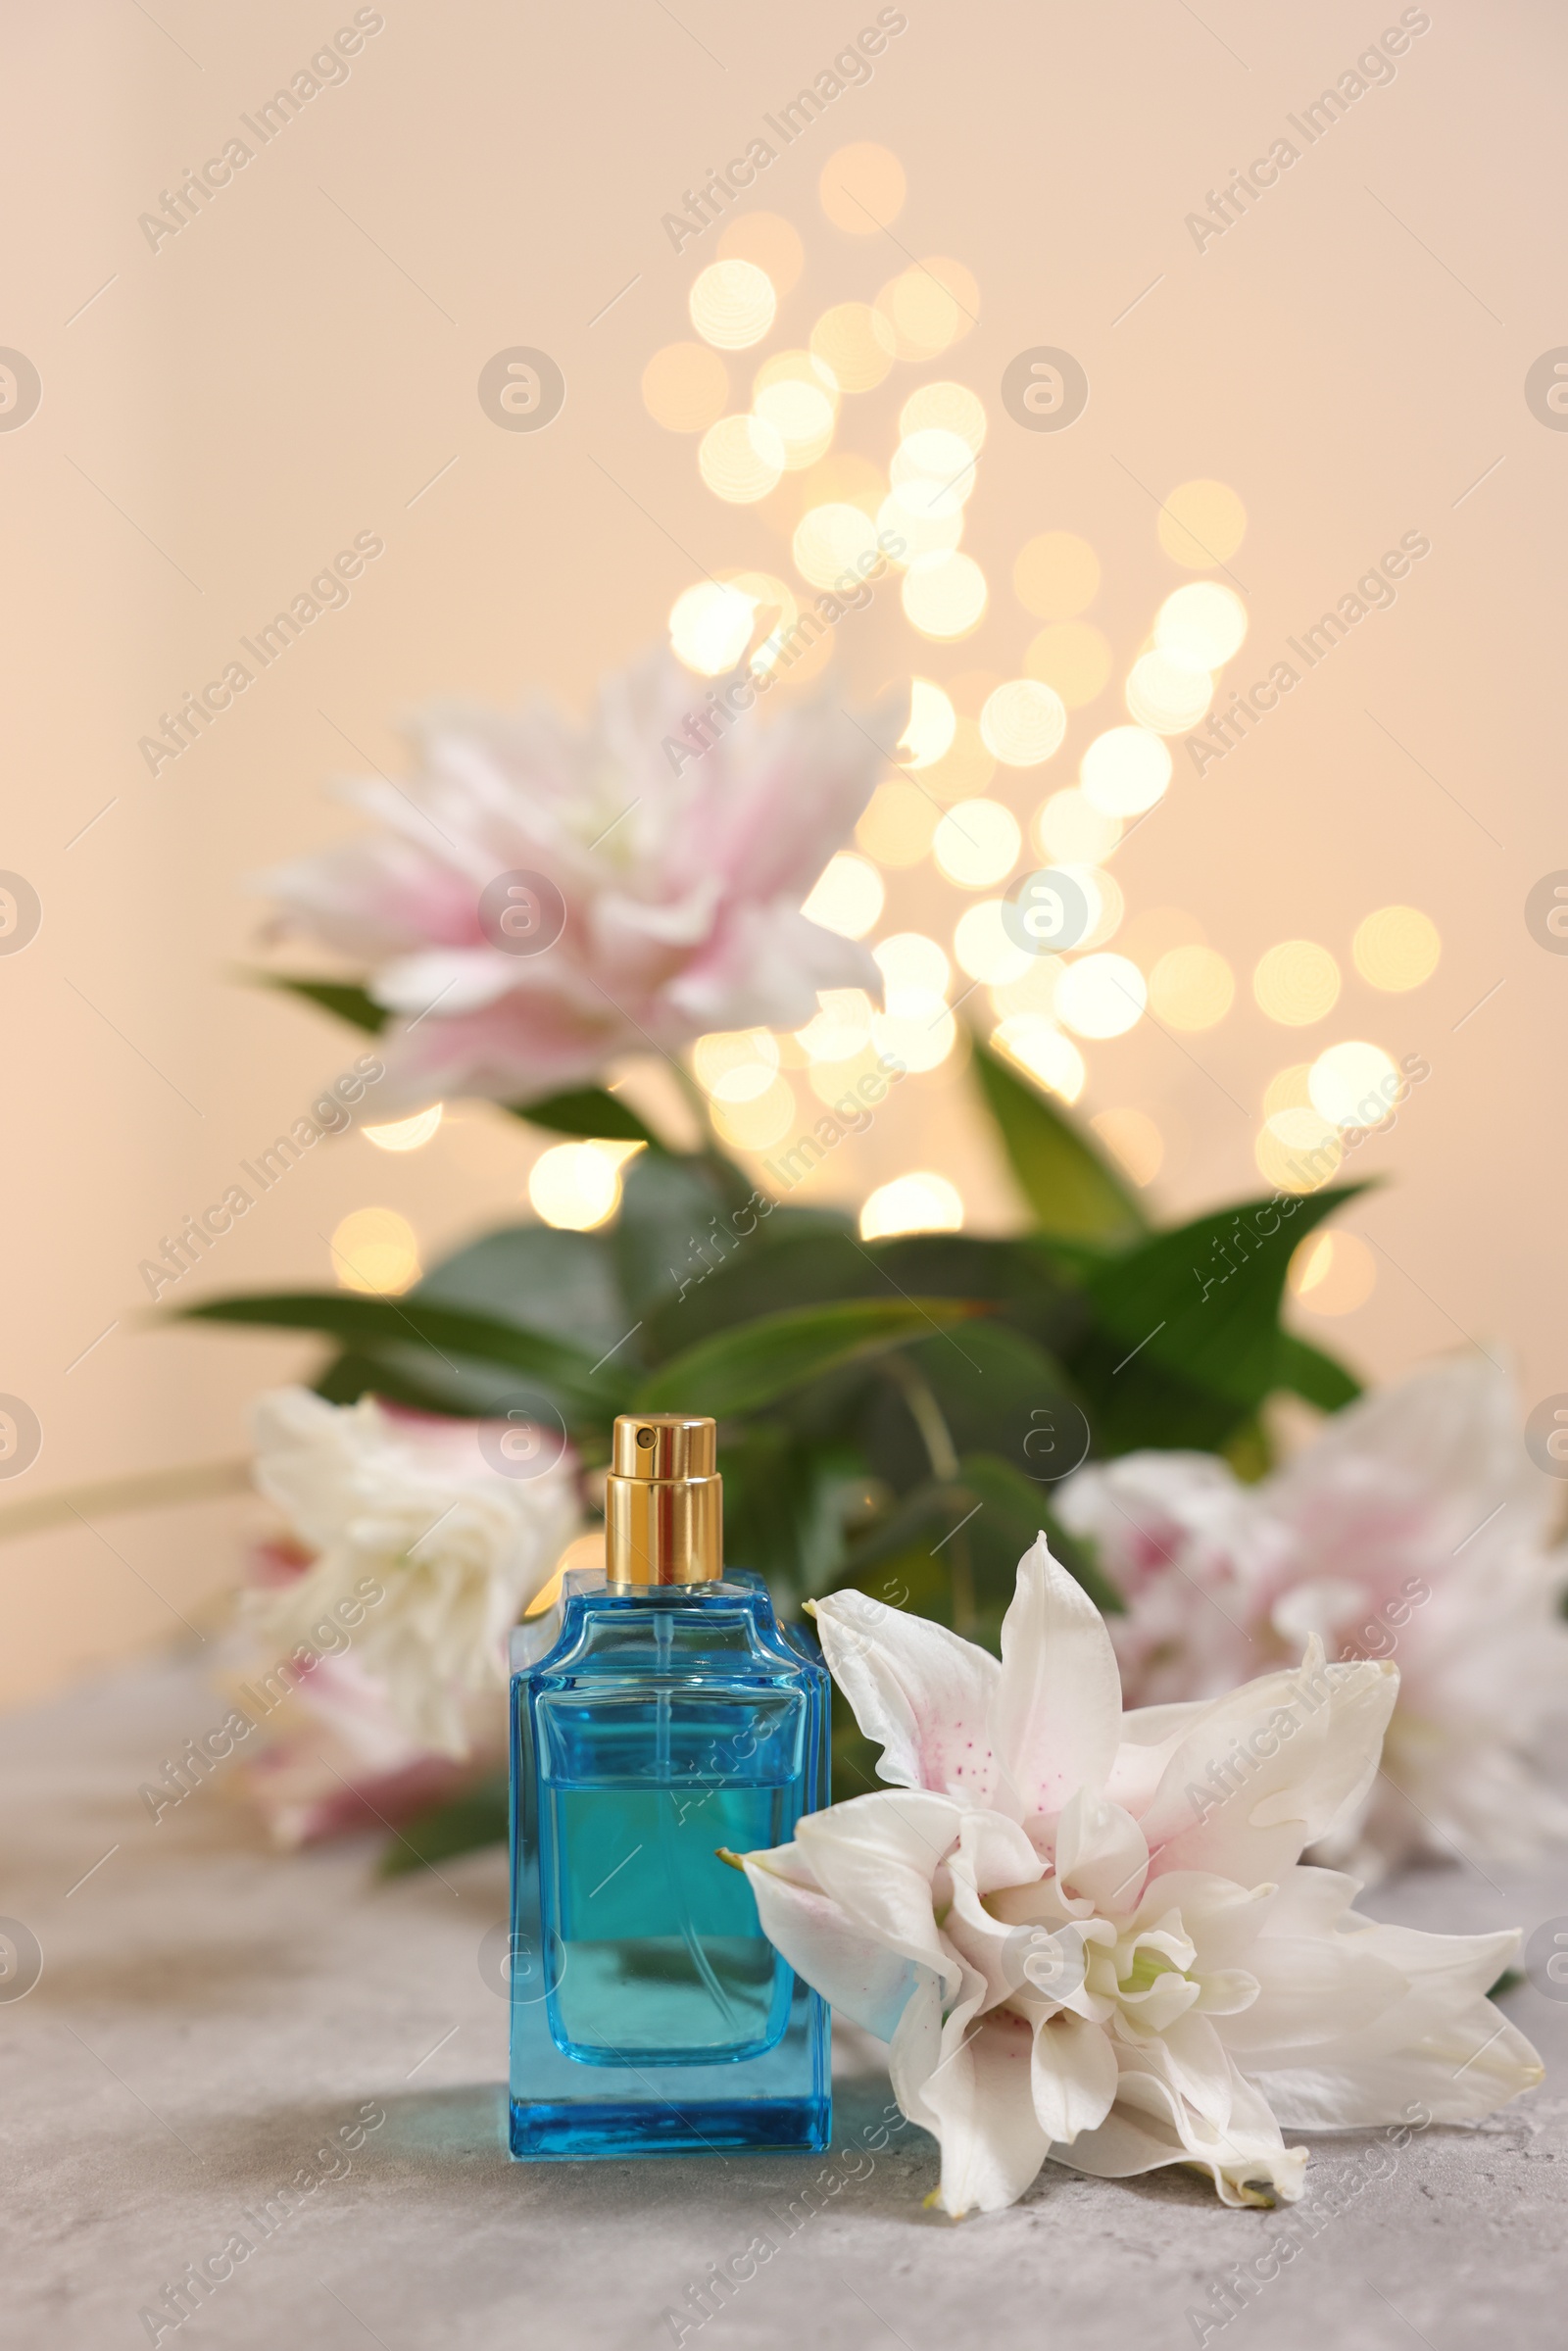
1413	1528
338	1760
681	873
422	1552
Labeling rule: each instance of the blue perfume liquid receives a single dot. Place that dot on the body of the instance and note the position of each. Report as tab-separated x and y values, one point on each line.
649	2011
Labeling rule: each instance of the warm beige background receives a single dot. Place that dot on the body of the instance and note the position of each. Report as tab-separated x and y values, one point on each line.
231	410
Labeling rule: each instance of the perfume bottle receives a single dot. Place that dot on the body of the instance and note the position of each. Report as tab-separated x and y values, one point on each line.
670	1718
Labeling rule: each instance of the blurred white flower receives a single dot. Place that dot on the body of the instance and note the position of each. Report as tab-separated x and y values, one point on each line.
405	1506
1079	1945
1413	1527
657	886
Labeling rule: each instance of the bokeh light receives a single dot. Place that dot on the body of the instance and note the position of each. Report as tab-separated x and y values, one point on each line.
1201	523
406	1133
798	409
913	532
575	1185
741	458
862	188
847	896
711	626
1202	625
841	1028
831	540
983	947
1023	723
1166	695
898	824
1125	770
1396	948
1057	575
1072	831
1071	657
1298	1151
1039	1046
911	959
932	725
1297	983
929	308
1287	1089
733	304
375	1251
735	1065
933	472
945	408
1107	904
855	344
761	1120
977	843
685	387
1353	1084
965	768
1191	987
1132	1141
920	1202
772	243
1101	996
944	596
916	1027
1332	1273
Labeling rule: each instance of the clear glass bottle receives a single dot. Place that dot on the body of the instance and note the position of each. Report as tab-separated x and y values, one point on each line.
671	1718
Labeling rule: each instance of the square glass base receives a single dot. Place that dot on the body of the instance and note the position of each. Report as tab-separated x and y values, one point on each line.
574	2131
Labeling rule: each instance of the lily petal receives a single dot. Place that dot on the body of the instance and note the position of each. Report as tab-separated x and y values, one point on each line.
1057	1712
1296	1750
863	1977
980	2102
1073	2076
919	1690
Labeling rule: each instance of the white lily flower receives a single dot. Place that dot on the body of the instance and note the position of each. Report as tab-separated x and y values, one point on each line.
1413	1527
408	1504
1079	1945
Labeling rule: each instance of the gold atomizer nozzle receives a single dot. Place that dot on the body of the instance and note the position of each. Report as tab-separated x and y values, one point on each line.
664	1502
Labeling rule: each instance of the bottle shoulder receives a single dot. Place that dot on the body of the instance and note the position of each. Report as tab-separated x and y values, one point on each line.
726	1632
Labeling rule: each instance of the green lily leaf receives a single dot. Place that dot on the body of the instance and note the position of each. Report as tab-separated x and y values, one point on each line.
1024	1510
560	1283
462	1824
342	997
589	1110
445	1331
1187	1341
740	1370
1308	1372
1073	1190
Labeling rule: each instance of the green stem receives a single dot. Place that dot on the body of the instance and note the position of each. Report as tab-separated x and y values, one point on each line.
943	1455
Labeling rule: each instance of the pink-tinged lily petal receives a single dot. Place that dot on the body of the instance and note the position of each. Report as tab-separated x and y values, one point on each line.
682	871
1056	1713
1267	1770
1117	1977
1414	1525
865	1978
980	2105
918	1690
1073	2076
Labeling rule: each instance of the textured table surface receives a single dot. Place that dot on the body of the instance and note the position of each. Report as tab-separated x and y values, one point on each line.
210	2016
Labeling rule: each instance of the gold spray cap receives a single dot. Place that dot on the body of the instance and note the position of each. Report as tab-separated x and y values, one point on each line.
664	1502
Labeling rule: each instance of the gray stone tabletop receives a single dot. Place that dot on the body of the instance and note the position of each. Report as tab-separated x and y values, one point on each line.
214	2026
